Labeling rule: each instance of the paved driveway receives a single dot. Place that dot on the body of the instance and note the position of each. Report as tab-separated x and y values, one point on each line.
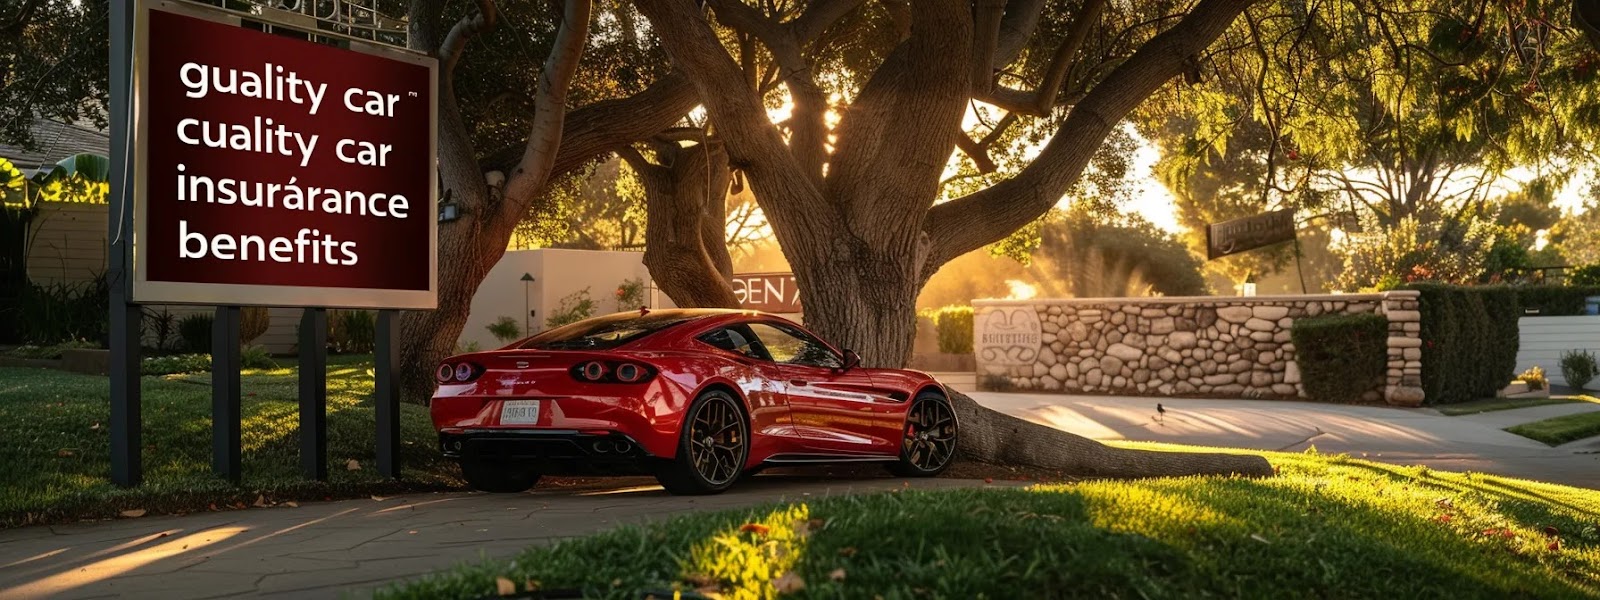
320	550
1394	435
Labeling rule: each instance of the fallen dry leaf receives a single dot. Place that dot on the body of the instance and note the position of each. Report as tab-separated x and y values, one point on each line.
789	583
94	426
292	504
352	465
1257	537
261	501
412	532
379	498
504	587
837	574
134	513
63	453
847	551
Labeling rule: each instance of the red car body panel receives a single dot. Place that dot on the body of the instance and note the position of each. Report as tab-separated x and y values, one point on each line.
797	413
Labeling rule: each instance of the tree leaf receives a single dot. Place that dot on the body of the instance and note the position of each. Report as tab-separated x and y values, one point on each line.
504	587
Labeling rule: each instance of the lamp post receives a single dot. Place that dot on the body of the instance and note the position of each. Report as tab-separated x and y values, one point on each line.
527	312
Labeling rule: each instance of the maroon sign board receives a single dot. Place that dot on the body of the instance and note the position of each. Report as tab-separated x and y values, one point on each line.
278	171
767	292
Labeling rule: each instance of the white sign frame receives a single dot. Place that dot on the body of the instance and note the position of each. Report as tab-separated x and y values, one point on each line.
146	291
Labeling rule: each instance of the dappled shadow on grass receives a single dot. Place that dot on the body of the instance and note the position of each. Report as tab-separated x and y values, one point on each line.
1326	527
54	438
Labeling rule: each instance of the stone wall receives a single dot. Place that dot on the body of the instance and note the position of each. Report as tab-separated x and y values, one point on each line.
1221	347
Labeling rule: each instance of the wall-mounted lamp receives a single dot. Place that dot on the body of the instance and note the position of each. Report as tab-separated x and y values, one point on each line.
527	322
448	209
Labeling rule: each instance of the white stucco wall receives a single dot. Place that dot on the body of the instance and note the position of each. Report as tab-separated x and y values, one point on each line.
557	274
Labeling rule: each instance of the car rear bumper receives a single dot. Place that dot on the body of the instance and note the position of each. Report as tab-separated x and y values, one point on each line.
551	451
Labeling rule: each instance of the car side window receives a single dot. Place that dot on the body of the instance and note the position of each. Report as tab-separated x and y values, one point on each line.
733	340
794	347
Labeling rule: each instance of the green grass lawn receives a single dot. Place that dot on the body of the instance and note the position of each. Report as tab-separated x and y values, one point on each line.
1325	527
1494	404
1556	431
55	445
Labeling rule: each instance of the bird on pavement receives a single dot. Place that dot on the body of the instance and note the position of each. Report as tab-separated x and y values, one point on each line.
1161	410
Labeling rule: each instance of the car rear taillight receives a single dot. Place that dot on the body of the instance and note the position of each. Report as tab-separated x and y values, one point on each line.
461	372
596	371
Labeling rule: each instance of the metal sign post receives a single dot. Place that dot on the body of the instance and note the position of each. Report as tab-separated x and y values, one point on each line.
126	468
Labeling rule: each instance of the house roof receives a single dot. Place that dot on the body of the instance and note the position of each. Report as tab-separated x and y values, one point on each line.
55	140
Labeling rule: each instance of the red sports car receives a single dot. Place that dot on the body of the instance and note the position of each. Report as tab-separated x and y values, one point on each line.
696	398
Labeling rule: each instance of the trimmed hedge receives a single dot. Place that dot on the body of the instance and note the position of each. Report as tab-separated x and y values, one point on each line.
954	326
1341	357
1555	300
1469	340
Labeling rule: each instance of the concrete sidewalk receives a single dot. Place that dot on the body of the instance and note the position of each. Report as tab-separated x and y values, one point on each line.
1393	435
322	550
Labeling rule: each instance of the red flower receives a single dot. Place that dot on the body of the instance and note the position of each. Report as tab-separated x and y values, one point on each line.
755	528
1444	518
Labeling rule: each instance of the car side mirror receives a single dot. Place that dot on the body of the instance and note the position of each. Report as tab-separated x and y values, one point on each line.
851	360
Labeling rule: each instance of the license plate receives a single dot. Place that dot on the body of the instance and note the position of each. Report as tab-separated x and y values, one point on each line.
519	412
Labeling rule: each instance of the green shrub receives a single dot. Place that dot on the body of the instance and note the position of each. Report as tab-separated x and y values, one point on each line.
175	364
575	307
1469	340
505	329
357	329
1341	357
256	357
954	327
195	332
1555	300
1578	367
1587	275
630	294
52	351
47	314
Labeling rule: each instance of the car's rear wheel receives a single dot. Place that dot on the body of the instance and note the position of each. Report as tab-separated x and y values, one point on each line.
498	477
929	443
712	449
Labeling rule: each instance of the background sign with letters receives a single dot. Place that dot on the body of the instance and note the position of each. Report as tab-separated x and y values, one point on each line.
1249	233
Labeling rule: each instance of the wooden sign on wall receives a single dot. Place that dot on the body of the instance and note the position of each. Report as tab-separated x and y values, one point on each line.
1249	233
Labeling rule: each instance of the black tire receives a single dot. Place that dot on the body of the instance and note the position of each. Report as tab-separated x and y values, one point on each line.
928	444
498	477
713	447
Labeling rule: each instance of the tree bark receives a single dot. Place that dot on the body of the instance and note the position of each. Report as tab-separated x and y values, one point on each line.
990	436
685	197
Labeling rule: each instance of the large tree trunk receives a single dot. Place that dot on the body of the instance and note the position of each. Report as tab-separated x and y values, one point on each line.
858	297
990	436
685	204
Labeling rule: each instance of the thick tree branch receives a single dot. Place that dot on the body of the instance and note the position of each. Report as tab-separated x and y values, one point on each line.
1022	17
987	18
600	128
808	122
1047	97
550	108
896	138
466	29
980	218
818	17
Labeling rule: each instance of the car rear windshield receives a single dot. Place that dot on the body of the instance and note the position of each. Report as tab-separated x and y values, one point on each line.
602	333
